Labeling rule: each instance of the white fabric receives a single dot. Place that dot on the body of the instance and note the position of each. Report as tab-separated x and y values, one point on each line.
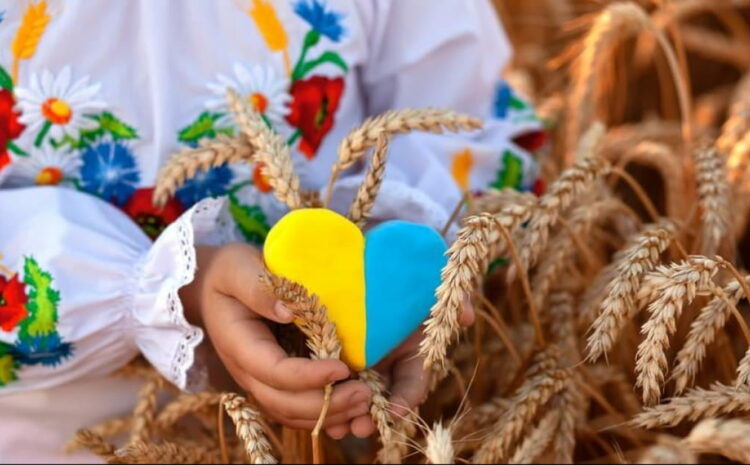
156	65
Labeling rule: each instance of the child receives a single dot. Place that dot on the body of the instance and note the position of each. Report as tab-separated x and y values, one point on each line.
96	95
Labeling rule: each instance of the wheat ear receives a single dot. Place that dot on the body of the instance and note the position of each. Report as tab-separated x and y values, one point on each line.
210	152
434	120
695	405
145	409
713	198
667	450
270	149
468	256
538	440
93	442
561	195
703	331
544	379
730	438
439	444
738	122
674	285
167	452
627	270
392	449
248	427
183	405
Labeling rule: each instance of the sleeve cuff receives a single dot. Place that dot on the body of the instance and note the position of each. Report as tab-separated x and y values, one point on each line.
163	334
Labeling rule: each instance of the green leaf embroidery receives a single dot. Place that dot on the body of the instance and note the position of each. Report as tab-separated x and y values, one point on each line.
117	128
6	82
512	172
250	219
16	149
517	104
201	128
327	57
8	367
42	305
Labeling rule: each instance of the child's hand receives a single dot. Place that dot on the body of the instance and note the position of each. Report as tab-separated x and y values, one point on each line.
228	300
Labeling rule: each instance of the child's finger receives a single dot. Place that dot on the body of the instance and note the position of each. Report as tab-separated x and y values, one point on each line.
338	432
363	427
249	343
352	396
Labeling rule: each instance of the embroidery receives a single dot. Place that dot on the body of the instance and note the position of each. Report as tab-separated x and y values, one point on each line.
30	32
30	308
152	219
267	21
300	105
110	171
56	107
463	162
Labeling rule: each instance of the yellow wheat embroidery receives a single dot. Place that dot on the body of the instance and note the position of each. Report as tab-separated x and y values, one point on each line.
29	34
267	21
461	168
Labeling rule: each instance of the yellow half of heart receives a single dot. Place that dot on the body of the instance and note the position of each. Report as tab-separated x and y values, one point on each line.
325	251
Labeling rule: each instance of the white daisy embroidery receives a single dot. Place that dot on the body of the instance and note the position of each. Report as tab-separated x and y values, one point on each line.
262	86
55	106
46	166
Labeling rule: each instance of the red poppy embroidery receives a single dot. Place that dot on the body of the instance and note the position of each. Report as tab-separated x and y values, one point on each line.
12	303
531	141
152	219
10	128
314	104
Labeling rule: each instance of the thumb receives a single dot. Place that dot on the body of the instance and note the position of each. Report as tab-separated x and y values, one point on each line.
242	281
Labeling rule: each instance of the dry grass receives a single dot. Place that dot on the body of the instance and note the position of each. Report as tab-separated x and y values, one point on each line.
621	285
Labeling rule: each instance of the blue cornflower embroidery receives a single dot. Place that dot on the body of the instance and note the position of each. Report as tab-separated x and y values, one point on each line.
503	94
327	23
209	183
110	171
2	16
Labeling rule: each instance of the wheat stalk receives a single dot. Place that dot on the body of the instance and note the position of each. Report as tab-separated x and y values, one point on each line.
738	121
359	211
674	285
695	405
185	164
617	21
248	427
627	270
713	198
270	149
730	438
434	120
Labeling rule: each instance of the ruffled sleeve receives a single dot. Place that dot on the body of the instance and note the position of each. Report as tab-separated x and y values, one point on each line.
84	290
451	57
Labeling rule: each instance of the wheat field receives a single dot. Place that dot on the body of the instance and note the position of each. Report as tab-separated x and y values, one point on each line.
617	333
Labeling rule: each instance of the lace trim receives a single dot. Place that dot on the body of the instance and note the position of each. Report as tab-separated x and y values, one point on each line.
187	227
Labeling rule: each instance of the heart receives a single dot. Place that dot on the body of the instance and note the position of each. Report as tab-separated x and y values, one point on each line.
378	288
